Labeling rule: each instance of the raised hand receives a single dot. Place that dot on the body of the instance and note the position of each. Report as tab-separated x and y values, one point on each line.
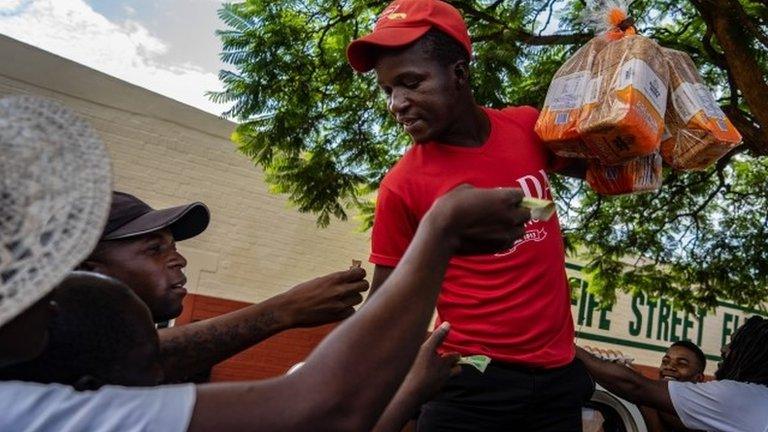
325	299
431	370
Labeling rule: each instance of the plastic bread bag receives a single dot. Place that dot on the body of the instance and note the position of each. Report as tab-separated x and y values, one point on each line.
571	84
556	125
698	132
639	175
622	117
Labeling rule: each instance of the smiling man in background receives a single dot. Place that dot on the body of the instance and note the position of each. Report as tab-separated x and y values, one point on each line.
684	361
734	402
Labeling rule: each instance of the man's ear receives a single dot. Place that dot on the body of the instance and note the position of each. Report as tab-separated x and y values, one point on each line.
461	73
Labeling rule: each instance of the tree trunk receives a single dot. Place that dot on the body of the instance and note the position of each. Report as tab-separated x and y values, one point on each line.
720	16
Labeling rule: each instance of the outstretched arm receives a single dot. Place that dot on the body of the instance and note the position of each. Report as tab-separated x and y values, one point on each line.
626	383
348	380
319	301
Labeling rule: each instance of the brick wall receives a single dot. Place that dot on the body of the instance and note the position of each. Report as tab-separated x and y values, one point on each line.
275	355
270	358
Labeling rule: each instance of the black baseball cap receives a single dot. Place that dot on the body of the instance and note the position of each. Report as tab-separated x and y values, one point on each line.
131	217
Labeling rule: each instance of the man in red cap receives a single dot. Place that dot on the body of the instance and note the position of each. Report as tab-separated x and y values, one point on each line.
138	247
513	306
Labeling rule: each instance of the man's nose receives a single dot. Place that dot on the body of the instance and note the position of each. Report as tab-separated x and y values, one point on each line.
177	260
397	101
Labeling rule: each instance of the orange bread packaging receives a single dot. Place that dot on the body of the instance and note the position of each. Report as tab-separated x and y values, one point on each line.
623	114
698	132
626	105
556	125
641	174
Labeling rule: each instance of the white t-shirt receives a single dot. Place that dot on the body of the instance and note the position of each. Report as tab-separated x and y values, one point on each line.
721	405
54	407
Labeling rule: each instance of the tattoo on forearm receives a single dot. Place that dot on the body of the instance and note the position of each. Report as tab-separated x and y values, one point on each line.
202	346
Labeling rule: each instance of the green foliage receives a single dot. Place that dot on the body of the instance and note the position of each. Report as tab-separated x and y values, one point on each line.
324	138
305	117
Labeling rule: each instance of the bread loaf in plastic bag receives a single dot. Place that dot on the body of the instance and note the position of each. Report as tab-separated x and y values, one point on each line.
556	125
698	132
622	117
642	174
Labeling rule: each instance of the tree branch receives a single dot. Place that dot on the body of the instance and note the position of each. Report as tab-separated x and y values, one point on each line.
468	10
496	4
717	58
538	12
720	185
549	17
733	90
748	24
753	136
741	61
594	213
531	39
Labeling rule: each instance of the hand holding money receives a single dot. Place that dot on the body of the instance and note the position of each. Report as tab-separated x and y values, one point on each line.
541	209
479	221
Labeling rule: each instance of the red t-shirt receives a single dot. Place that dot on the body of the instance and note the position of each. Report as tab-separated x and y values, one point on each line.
513	306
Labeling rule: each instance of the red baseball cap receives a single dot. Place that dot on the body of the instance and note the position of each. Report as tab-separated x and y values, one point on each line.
403	22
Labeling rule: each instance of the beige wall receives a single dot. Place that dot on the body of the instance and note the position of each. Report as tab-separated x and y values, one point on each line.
169	153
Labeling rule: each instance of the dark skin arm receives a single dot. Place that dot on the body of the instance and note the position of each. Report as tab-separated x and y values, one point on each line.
627	383
380	274
337	387
319	301
657	421
429	373
651	417
672	422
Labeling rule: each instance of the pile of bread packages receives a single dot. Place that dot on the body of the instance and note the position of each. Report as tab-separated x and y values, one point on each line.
627	106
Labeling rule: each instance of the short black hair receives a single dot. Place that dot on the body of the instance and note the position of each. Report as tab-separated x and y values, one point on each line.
437	45
692	347
442	47
90	336
748	357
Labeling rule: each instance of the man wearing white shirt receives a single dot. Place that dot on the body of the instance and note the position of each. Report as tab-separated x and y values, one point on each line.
736	402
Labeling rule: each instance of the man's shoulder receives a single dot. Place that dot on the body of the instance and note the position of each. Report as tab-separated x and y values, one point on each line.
524	115
24	401
50	406
32	390
719	387
401	170
720	405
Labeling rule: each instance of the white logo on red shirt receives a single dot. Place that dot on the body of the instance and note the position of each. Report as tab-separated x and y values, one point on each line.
533	186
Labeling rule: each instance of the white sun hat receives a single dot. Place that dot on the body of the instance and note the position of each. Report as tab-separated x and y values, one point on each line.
55	190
